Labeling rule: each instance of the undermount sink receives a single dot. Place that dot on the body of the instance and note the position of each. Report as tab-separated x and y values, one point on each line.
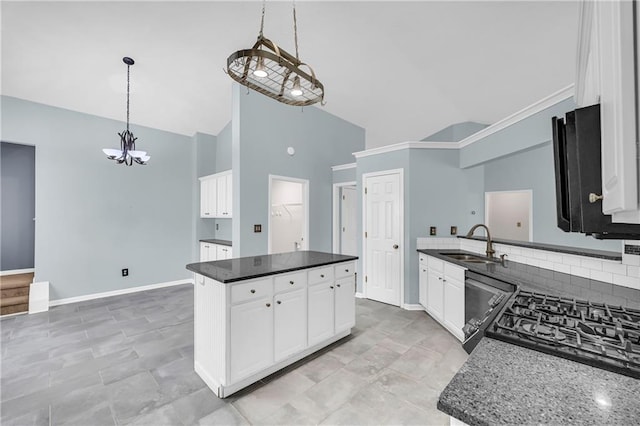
470	258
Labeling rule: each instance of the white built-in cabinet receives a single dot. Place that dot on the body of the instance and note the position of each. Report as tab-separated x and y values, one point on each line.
216	195
210	252
247	330
607	74
441	287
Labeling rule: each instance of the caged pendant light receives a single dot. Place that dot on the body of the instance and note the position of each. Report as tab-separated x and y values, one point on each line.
127	153
272	71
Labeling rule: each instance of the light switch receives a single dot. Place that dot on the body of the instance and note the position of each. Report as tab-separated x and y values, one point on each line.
257	228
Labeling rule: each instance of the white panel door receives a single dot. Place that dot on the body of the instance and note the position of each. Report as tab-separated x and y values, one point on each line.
251	335
290	323
321	312
345	304
382	238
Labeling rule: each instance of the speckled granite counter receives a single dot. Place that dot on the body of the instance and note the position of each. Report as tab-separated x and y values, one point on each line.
216	241
244	268
503	383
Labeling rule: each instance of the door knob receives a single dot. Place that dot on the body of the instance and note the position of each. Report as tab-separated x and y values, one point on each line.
395	246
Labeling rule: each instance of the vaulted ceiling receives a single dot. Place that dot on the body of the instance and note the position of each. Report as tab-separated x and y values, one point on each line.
401	70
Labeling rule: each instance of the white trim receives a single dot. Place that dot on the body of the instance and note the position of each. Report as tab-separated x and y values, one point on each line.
118	292
17	271
532	109
305	197
406	145
413	307
529	191
365	176
343	167
336	213
360	295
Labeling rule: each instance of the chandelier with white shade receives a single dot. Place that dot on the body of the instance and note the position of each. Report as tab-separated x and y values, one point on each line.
127	154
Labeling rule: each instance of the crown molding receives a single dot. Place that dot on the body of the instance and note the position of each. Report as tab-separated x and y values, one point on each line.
532	109
405	145
343	167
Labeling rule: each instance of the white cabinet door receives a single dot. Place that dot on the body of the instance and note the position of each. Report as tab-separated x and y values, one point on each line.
207	197
224	195
223	252
453	315
614	20
320	312
435	293
204	252
345	306
290	323
423	278
251	337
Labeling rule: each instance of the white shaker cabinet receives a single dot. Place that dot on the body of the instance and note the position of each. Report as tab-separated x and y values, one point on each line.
345	308
290	323
321	314
606	74
442	293
216	195
210	252
223	252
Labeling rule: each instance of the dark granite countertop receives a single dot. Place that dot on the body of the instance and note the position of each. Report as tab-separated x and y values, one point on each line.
501	383
547	281
216	241
244	268
601	254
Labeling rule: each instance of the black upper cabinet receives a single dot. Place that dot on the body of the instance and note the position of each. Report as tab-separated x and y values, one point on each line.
578	167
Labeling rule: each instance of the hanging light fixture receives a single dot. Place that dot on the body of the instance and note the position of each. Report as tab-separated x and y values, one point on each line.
272	71
127	153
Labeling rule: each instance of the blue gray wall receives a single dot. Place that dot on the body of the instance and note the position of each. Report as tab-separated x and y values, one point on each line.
456	132
262	129
18	208
204	157
223	162
95	217
348	175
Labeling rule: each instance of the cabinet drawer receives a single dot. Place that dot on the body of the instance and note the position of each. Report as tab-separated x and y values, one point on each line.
290	281
251	290
435	264
344	270
319	275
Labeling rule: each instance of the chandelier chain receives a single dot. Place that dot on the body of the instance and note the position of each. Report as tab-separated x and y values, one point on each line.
262	18
295	29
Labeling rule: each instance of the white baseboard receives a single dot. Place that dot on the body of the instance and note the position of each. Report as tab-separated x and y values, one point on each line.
16	271
360	295
118	292
413	307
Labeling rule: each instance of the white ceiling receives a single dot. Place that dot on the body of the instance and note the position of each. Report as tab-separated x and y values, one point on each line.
401	70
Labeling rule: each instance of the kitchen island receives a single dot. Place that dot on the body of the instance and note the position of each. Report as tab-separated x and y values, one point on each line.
255	315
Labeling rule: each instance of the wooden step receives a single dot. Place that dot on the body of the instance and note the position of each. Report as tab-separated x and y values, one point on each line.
13	292
16	300
14	309
16	280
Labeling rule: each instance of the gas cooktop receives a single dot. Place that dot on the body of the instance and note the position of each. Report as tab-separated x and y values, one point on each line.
597	334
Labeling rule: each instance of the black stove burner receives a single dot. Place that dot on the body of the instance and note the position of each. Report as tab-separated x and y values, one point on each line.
592	333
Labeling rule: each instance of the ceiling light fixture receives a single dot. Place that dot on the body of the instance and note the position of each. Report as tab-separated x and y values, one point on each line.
272	71
127	153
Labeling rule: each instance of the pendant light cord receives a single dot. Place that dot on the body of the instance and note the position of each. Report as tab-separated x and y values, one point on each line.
295	29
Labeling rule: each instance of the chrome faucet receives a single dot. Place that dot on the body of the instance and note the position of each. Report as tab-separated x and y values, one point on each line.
490	250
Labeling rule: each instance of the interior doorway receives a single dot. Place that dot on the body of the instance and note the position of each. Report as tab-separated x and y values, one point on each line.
383	242
345	218
509	214
288	228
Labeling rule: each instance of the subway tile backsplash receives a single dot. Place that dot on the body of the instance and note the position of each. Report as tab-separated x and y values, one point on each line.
620	274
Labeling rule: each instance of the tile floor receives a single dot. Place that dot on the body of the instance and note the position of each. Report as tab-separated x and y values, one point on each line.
129	360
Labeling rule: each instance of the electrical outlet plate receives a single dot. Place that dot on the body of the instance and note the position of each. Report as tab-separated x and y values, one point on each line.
257	228
432	230
125	272
454	230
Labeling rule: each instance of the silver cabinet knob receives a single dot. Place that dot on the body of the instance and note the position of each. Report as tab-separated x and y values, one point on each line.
253	291
395	246
337	285
279	302
291	282
321	275
594	197
346	270
330	286
268	305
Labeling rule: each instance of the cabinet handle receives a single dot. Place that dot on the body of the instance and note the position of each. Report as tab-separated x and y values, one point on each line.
206	214
331	286
424	270
291	282
321	275
440	278
338	285
268	305
444	281
253	291
279	302
346	270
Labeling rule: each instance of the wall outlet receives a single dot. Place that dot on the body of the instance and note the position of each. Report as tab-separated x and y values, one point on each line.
217	227
432	230
125	272
257	228
454	230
